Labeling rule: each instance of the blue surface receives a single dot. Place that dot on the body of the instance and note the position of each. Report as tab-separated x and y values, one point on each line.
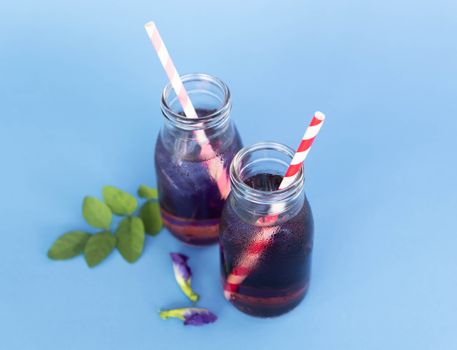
79	108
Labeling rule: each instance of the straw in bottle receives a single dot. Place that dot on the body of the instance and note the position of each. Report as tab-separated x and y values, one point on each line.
261	241
214	164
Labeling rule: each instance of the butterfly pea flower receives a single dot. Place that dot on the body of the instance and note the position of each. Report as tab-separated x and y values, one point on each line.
183	275
190	315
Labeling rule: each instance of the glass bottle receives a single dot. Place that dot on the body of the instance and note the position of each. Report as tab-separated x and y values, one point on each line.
192	175
266	234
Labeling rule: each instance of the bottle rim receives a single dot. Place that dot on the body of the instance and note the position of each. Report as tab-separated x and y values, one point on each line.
259	196
219	115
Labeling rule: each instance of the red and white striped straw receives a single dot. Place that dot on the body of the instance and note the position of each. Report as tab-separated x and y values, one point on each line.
261	241
215	164
303	149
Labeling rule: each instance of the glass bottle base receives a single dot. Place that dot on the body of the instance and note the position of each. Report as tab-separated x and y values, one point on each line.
261	306
192	231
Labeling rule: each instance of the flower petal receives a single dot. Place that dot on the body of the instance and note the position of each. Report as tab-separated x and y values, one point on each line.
199	316
190	315
180	261
183	275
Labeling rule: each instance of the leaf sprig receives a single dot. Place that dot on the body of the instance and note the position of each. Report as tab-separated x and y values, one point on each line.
129	235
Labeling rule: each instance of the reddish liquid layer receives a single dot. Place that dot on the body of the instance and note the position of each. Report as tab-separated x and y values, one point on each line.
269	303
192	231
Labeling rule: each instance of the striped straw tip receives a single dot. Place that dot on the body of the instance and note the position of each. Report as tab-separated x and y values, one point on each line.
150	26
319	115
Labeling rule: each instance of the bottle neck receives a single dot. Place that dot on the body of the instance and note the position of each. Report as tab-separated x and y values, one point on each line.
210	98
208	127
264	158
186	136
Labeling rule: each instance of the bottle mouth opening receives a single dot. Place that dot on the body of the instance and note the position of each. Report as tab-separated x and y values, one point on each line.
264	158
209	95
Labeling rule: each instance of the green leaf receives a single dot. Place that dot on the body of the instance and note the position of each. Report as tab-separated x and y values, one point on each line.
120	202
130	238
150	214
68	245
96	213
147	192
98	247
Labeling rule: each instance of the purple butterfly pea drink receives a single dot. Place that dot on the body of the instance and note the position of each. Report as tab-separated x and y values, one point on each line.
192	181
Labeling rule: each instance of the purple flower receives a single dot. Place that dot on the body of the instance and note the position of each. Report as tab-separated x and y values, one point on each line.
183	275
190	315
180	261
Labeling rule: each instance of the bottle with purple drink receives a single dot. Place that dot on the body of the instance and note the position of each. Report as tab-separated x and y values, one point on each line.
266	234
193	157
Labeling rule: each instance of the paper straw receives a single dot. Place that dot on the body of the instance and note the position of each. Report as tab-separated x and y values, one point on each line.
215	165
262	240
303	149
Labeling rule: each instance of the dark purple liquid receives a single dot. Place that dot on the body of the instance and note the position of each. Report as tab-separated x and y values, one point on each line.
280	280
264	182
190	200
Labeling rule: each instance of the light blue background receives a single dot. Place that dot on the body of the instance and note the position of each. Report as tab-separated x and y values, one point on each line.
79	108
